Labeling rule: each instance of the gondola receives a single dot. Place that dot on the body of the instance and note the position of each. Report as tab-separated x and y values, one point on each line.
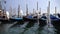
52	17
16	19
58	15
29	18
1	19
56	23
54	20
42	22
33	19
19	15
4	21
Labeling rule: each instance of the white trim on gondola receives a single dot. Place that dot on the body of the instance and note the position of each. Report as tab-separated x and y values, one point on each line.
7	13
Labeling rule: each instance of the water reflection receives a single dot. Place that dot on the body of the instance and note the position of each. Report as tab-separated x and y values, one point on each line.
56	25
28	28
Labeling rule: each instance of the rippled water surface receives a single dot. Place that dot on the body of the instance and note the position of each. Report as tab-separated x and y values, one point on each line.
27	28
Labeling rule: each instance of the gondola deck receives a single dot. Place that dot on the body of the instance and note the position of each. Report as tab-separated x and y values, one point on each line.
2	19
16	19
29	19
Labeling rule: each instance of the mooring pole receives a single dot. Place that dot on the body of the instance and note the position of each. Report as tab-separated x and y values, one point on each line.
26	9
18	11
37	5
37	13
55	11
48	15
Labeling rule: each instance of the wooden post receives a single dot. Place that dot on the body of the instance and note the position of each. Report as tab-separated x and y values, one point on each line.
10	12
37	13
26	9
37	5
33	11
48	15
40	13
55	11
5	10
18	11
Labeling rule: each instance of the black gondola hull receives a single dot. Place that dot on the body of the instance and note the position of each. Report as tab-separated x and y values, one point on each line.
29	19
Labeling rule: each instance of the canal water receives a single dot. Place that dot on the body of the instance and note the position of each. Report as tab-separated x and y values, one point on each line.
27	28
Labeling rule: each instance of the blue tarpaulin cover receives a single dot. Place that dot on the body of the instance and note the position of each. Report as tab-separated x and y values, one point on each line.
17	18
29	17
51	17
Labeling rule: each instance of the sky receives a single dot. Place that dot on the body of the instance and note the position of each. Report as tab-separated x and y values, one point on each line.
33	4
